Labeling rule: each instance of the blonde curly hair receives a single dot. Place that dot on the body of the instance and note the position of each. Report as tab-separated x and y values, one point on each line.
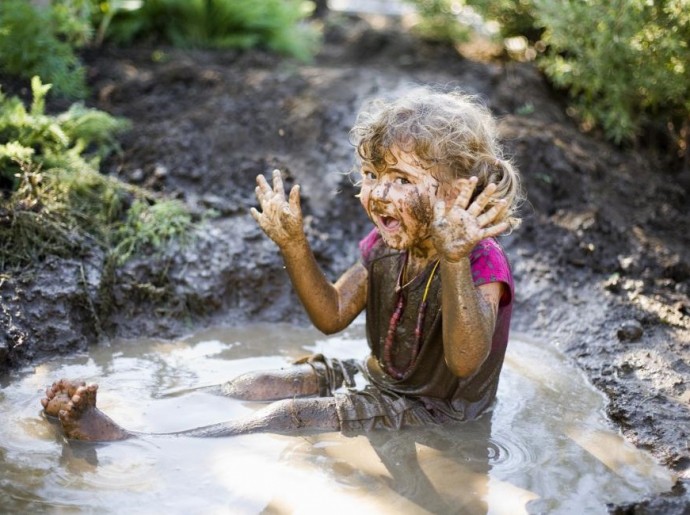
452	133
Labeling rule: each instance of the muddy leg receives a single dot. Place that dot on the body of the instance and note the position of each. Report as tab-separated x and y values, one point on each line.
82	420
284	416
287	383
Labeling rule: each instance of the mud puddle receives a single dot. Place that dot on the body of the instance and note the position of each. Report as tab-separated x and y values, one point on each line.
545	448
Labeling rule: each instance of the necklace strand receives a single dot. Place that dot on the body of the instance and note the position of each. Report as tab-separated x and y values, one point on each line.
389	367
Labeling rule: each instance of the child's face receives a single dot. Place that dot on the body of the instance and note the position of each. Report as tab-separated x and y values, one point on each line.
399	200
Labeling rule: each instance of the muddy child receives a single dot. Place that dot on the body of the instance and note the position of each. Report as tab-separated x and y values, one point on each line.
434	283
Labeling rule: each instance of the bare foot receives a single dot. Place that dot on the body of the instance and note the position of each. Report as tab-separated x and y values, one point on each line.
59	395
82	420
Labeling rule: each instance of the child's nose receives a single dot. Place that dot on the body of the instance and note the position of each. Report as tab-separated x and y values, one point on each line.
380	191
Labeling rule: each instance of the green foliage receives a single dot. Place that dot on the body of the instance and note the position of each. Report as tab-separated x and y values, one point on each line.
625	63
439	21
516	17
55	202
151	226
38	140
73	20
35	41
41	41
272	24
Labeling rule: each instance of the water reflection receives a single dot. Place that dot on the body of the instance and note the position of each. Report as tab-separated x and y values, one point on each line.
546	447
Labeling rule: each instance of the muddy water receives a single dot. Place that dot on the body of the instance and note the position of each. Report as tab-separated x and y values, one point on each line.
545	448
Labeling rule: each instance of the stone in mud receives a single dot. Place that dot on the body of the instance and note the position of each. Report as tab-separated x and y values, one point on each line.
630	331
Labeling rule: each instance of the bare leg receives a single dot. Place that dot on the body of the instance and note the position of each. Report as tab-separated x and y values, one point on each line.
264	385
287	383
82	420
284	416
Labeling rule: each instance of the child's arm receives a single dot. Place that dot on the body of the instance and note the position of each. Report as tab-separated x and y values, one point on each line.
331	307
469	312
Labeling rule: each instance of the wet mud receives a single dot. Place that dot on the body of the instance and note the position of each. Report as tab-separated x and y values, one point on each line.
601	260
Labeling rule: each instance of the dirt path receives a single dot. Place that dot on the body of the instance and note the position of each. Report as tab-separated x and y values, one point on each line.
601	260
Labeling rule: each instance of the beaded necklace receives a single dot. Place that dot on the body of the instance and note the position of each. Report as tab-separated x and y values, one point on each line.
389	367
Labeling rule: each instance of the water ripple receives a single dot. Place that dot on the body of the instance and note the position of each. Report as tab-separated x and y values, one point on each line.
509	452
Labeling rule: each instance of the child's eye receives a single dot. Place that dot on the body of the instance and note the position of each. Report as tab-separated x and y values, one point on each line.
369	175
402	181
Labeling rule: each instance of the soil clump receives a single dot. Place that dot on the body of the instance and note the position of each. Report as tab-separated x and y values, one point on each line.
601	260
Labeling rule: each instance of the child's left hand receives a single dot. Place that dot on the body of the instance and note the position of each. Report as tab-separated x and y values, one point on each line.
456	230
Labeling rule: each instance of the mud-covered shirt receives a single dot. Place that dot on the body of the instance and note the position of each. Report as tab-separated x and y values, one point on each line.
429	378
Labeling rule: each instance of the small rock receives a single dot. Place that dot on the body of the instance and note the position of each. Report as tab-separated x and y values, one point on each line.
137	175
613	283
630	331
160	172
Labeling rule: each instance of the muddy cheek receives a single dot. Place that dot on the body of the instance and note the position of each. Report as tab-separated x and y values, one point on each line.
421	209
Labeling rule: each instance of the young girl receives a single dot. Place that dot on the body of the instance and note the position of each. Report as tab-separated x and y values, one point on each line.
436	286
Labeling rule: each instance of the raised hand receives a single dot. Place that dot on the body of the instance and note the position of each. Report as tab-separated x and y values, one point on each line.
457	228
279	218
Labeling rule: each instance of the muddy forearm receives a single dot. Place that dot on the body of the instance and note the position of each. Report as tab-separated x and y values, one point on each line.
468	319
320	298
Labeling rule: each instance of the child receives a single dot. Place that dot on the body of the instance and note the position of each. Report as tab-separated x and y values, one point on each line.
436	286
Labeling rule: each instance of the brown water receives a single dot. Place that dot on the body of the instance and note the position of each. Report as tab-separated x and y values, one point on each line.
546	447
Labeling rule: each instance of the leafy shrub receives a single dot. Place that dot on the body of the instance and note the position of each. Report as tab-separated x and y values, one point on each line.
54	200
439	21
47	142
516	17
42	40
34	41
272	24
151	226
626	64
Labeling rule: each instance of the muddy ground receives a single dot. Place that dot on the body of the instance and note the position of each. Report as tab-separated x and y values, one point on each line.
601	260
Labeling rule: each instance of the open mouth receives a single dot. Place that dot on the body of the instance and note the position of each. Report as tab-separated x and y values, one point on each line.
389	223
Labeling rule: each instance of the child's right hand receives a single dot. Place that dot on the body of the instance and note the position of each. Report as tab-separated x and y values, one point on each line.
279	218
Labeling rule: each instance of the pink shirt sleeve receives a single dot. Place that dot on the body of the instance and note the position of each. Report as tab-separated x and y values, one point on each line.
367	244
489	264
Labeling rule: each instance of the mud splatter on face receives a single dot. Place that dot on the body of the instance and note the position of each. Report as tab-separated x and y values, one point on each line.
386	190
420	207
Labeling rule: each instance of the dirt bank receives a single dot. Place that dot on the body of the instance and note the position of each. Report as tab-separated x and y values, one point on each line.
601	260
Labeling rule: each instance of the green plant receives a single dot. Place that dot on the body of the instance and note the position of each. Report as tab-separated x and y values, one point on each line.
438	21
151	226
73	20
38	140
35	42
516	17
54	200
624	63
276	25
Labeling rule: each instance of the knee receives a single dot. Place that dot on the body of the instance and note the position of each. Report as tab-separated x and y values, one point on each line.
272	385
245	387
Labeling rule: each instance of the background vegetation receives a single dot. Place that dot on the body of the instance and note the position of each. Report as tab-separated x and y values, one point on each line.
44	40
625	64
55	201
271	24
